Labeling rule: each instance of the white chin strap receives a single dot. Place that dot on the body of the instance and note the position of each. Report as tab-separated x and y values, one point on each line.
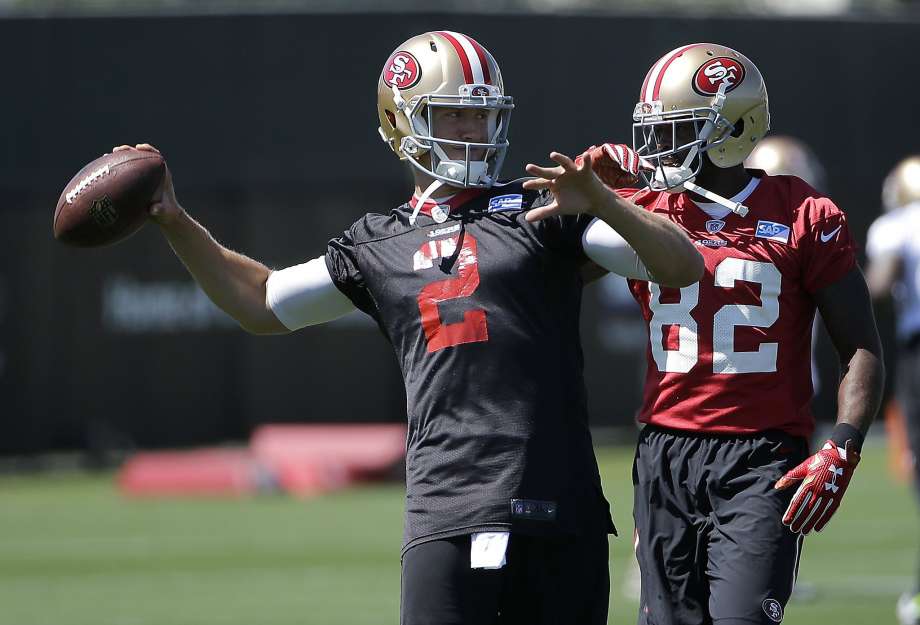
434	186
672	179
679	179
736	207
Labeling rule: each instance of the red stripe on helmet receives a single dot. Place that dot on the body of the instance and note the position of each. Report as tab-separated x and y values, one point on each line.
645	82
483	60
464	61
664	68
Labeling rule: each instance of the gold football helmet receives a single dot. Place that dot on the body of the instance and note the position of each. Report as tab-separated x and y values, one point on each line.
696	99
451	70
902	185
783	155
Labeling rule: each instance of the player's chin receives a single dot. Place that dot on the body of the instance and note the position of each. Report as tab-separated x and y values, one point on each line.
459	154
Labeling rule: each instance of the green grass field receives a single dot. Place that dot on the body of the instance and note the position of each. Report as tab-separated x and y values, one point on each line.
73	552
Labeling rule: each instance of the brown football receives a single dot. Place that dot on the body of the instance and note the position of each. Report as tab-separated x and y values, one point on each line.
108	199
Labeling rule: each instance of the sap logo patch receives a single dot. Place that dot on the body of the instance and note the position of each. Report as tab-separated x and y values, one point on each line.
510	202
772	231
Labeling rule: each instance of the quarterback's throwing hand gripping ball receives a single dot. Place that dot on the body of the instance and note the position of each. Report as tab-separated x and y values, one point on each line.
108	199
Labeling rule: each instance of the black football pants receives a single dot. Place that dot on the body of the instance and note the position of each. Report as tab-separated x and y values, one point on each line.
711	545
546	581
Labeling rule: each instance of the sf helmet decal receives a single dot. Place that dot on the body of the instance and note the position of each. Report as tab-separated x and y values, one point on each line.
713	73
402	70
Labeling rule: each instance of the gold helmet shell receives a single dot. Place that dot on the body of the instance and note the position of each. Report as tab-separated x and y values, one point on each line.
716	91
447	69
902	185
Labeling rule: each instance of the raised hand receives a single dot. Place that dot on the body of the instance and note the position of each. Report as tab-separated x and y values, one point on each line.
574	187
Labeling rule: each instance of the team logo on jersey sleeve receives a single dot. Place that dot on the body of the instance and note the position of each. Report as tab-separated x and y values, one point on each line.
510	202
714	225
401	70
772	231
715	72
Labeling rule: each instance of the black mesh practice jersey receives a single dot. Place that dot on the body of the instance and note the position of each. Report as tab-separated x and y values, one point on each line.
483	313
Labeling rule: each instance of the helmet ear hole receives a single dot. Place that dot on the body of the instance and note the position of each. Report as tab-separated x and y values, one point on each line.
391	117
739	128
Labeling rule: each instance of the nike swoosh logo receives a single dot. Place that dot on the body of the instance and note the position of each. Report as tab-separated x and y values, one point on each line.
830	235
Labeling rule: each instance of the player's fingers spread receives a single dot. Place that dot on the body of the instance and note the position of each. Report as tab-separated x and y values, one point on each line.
119	148
567	163
544	172
537	184
146	147
587	162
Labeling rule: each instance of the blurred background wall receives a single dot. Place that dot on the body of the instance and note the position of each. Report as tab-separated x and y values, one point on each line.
268	123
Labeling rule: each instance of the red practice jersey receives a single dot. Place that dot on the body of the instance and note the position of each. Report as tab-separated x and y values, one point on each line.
732	353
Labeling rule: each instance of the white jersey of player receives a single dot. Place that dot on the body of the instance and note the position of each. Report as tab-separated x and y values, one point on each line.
898	233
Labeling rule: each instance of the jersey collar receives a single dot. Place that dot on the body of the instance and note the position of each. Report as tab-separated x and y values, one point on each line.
447	204
717	211
683	199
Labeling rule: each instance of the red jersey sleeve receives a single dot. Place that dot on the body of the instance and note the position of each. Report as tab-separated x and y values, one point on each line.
827	246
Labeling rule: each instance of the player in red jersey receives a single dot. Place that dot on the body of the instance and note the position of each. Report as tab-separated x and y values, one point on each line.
722	471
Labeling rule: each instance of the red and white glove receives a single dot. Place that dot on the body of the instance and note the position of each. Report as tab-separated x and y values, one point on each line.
824	478
617	165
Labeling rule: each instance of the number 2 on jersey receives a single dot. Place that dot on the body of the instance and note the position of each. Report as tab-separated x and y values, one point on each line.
725	359
473	328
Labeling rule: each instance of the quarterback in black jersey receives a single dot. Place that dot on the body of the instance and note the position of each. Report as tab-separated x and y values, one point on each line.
477	285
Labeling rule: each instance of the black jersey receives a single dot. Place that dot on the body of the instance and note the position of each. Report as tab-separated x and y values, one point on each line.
483	312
